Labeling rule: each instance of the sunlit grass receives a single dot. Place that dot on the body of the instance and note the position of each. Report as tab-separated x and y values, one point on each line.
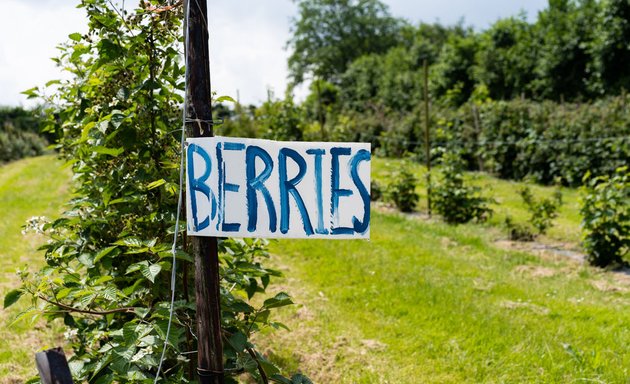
30	187
425	302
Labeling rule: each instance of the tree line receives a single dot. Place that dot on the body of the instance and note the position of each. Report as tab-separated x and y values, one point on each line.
560	81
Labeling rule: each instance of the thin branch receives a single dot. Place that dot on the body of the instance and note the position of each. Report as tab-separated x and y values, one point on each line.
252	353
122	17
154	9
263	375
86	311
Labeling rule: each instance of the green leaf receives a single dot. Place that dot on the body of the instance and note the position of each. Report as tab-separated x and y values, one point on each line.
150	271
269	368
238	341
108	151
110	293
156	184
75	36
141	312
11	297
179	254
63	293
221	99
31	93
106	251
87	259
279	300
52	82
136	267
132	242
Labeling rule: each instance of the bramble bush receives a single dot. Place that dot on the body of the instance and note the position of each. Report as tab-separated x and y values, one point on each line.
606	218
402	189
518	231
545	141
542	211
108	257
453	199
376	191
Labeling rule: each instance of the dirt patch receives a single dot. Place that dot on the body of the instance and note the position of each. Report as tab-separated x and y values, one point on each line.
509	304
535	271
373	345
390	209
608	286
552	252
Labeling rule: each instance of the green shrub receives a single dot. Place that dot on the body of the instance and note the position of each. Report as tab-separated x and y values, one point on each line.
376	191
453	199
16	143
402	189
542	211
517	231
546	141
606	218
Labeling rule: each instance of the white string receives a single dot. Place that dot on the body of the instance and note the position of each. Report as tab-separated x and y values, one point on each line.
179	198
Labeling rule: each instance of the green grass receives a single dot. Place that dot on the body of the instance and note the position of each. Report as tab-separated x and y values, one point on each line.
424	302
30	187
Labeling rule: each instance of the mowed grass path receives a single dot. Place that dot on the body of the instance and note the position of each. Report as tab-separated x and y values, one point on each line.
31	187
425	302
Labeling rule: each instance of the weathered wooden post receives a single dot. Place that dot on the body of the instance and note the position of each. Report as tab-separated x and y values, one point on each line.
427	138
53	367
204	249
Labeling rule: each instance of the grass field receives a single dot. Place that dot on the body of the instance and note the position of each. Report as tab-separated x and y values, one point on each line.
424	302
421	302
31	187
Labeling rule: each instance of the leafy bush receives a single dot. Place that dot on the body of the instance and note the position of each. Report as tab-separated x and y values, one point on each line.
606	218
453	199
517	231
376	192
545	141
542	211
402	189
109	256
19	134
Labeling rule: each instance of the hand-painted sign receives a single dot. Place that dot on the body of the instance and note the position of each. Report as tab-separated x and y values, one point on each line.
261	188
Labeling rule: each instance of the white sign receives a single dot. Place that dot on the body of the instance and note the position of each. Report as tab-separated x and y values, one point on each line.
261	188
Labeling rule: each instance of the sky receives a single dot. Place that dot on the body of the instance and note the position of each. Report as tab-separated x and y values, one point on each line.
247	39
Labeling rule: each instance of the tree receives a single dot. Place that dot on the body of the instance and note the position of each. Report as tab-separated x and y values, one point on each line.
610	48
452	75
506	58
565	30
329	34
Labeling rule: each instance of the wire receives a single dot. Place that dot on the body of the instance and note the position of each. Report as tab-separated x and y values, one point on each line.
179	202
506	142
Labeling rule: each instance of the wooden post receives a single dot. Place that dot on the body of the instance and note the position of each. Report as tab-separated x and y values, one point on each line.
53	367
477	125
320	115
204	249
427	138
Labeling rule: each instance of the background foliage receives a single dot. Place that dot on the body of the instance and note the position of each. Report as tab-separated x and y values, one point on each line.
20	134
